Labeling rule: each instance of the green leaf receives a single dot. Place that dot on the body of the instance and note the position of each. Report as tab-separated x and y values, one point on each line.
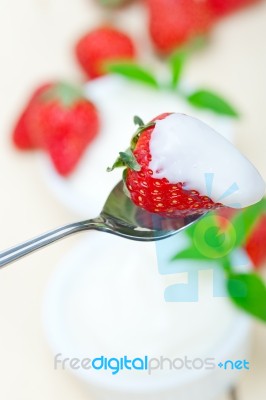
226	263
138	121
177	63
132	71
129	160
248	292
209	100
178	58
245	221
191	229
190	253
241	226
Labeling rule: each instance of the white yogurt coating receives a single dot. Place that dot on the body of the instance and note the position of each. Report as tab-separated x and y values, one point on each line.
185	149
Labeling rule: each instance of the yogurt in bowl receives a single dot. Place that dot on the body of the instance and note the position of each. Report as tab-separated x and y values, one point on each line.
106	301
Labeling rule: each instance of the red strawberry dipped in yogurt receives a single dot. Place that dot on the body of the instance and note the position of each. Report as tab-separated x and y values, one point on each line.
177	166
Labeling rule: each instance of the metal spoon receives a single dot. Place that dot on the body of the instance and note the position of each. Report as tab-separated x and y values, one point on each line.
119	217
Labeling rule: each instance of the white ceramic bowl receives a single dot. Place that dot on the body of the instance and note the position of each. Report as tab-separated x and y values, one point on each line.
107	298
117	100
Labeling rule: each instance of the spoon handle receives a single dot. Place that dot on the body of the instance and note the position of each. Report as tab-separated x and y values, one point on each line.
23	249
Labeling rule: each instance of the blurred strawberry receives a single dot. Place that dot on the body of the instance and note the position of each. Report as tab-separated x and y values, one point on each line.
21	136
101	45
223	7
63	123
174	22
256	243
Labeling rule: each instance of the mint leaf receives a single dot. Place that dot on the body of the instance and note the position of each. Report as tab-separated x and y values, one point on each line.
177	63
132	71
206	99
248	292
239	229
245	220
178	58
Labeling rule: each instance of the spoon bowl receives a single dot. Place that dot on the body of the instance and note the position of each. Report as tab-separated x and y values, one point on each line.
125	219
119	216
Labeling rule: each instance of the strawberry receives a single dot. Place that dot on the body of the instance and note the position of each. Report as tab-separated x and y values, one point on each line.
63	123
153	194
21	136
222	7
102	45
256	243
174	22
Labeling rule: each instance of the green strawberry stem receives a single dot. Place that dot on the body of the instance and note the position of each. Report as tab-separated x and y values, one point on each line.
127	158
138	121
